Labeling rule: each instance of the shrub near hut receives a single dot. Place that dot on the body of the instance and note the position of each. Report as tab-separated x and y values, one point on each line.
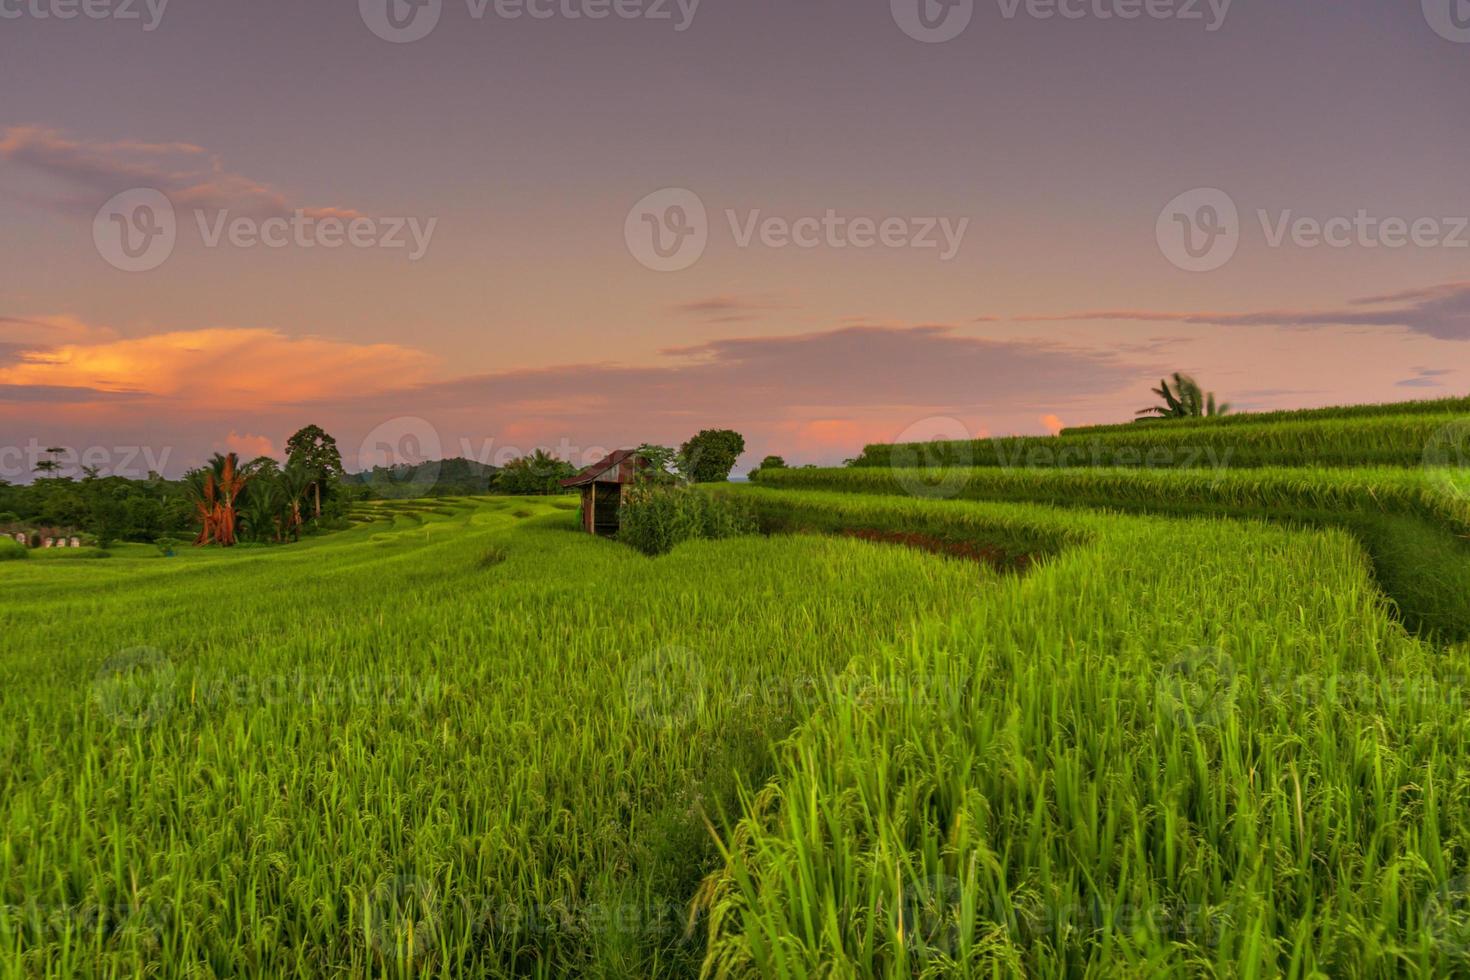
656	517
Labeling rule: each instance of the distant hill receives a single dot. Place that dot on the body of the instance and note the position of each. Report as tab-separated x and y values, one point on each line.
440	478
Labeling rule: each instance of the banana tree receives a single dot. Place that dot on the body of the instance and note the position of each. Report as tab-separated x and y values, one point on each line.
1184	399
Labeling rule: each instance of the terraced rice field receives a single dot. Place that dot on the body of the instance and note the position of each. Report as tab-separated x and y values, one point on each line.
462	739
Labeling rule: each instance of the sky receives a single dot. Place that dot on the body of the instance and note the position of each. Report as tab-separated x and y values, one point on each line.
455	227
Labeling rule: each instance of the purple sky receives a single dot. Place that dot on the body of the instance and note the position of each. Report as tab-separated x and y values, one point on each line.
526	313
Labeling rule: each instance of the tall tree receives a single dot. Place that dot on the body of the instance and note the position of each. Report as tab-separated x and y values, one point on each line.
50	466
315	451
710	456
537	474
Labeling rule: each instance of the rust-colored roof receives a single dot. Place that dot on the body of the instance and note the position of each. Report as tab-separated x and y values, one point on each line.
598	469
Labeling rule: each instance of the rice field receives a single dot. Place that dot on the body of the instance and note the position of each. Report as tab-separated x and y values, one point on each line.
1432	433
461	739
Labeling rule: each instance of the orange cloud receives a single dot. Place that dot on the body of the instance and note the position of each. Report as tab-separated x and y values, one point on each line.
1053	423
249	446
222	369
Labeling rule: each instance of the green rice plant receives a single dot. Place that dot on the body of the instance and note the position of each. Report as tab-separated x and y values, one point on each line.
1415	524
1450	407
1185	748
1195	744
13	550
1370	441
343	759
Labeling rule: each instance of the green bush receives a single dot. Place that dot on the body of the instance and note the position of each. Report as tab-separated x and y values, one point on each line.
12	550
657	518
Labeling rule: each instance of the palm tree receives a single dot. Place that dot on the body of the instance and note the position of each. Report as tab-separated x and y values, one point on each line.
271	510
216	492
292	485
1184	400
260	514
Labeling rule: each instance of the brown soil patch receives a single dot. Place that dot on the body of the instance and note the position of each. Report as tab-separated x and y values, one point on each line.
997	558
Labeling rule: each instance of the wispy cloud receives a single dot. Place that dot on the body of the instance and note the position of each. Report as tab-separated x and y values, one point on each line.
191	177
1425	378
726	309
1442	312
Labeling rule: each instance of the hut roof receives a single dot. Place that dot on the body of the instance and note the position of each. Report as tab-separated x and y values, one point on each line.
599	471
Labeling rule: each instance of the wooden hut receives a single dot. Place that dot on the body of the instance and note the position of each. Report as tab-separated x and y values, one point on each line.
604	487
